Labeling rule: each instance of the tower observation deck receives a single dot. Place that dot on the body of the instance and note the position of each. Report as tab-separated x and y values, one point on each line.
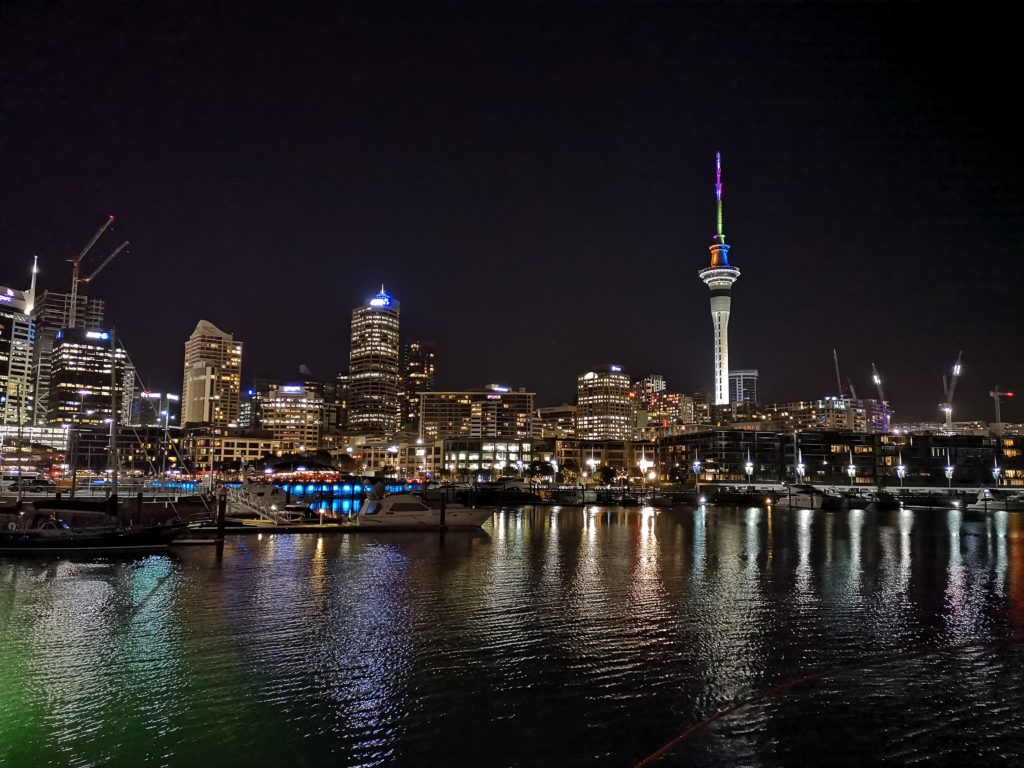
719	277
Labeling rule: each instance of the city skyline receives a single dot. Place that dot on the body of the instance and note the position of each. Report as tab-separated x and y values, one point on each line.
561	201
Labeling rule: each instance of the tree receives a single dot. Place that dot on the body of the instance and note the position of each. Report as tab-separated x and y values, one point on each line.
606	474
539	468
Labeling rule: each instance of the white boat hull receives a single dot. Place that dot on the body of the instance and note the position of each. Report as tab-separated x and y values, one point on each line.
406	512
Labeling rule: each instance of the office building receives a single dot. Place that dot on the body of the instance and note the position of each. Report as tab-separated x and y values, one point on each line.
719	277
293	415
373	375
157	409
213	374
52	313
605	405
81	385
495	411
417	376
556	421
743	386
17	335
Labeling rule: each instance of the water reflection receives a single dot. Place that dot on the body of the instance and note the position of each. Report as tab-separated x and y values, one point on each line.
592	631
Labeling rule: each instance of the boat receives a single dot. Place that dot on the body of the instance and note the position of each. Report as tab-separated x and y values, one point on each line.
23	528
406	511
800	496
997	500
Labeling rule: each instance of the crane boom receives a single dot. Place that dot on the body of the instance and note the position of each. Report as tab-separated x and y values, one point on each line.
106	261
878	383
75	266
839	381
949	389
996	394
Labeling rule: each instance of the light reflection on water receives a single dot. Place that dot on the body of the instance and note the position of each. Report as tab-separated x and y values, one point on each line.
568	636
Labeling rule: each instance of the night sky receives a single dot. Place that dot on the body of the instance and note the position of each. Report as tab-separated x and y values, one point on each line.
534	184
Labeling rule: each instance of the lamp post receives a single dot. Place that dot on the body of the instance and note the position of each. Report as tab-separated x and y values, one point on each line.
851	470
949	472
801	468
696	478
996	471
644	465
749	467
901	470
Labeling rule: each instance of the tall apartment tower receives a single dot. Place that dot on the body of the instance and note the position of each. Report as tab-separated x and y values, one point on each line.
605	405
373	369
417	376
719	277
52	313
17	335
213	377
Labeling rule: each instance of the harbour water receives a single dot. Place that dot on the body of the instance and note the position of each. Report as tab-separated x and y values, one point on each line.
572	637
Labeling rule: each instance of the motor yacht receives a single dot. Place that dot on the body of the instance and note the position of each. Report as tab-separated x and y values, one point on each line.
406	511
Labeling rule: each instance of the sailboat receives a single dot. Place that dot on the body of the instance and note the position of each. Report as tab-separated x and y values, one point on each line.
82	525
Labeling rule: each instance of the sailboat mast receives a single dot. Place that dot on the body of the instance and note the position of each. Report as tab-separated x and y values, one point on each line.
112	462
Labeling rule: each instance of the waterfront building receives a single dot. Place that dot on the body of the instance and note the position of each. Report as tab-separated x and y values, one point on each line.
17	335
743	385
719	277
467	459
208	448
293	414
373	375
52	313
212	379
605	404
556	421
247	413
648	391
418	369
81	384
496	411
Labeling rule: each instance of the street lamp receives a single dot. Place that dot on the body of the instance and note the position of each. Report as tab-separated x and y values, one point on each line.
996	471
749	467
851	470
949	472
696	477
644	465
901	470
801	468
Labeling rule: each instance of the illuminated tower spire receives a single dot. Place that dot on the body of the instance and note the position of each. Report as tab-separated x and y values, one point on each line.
719	277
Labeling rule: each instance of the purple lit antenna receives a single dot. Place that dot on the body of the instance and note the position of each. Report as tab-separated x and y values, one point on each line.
718	194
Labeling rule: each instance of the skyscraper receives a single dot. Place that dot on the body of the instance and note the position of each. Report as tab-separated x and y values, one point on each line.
373	375
52	313
17	333
605	405
719	277
417	377
213	377
81	385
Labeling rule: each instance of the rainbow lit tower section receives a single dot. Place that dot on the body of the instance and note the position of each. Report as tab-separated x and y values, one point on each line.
719	277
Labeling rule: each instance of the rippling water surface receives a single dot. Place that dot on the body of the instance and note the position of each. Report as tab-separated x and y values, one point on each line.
554	637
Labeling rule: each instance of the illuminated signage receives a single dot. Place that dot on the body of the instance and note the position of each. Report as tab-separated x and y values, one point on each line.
291	389
104	335
6	298
616	369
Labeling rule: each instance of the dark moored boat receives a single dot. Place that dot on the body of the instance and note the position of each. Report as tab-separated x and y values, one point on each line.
26	529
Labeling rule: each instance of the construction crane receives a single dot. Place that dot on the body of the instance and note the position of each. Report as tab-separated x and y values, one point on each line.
839	380
76	264
949	388
878	383
995	394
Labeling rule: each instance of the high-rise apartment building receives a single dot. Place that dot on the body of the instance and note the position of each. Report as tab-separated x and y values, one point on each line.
52	313
417	377
213	376
605	405
81	386
743	386
373	374
494	411
17	334
157	409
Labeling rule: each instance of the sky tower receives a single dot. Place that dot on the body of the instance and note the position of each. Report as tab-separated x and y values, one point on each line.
719	277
